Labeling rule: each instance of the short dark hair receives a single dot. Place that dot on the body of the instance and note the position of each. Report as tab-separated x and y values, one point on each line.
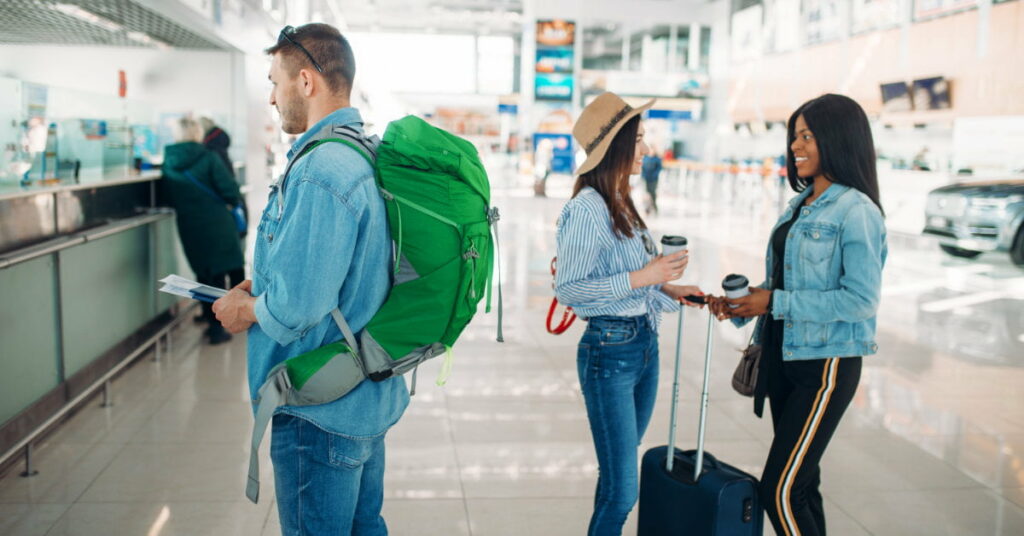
328	47
845	145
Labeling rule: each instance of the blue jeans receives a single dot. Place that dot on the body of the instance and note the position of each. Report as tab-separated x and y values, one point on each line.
617	362
326	483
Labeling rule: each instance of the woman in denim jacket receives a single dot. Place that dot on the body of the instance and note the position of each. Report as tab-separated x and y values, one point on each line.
609	272
816	311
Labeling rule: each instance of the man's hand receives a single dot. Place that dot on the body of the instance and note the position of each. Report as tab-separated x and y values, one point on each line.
236	310
756	304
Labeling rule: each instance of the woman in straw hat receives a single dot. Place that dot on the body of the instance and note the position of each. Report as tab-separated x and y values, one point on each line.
610	273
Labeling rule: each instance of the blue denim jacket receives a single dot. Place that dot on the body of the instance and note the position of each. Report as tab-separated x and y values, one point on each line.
835	253
328	246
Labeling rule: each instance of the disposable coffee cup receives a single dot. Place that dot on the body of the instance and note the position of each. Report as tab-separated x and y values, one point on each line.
672	244
735	286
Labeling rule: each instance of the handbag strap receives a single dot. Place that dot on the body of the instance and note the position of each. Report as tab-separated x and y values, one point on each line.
204	187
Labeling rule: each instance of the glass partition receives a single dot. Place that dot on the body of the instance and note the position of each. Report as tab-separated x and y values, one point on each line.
63	136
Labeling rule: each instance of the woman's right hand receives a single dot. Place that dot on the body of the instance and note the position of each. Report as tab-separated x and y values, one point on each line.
661	269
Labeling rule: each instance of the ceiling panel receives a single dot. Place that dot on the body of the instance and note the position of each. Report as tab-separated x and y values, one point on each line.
92	22
498	17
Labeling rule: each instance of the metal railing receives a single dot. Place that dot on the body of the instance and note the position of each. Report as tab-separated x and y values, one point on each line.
160	341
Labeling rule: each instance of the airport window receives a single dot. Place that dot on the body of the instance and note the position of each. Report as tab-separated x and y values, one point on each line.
602	46
705	47
682	45
495	65
636	50
416	69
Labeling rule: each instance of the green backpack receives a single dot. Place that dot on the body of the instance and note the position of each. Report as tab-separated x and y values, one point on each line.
438	206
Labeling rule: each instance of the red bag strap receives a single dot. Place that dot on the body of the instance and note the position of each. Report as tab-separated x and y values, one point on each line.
568	316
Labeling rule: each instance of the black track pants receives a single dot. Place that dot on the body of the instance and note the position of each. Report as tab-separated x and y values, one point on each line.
808	398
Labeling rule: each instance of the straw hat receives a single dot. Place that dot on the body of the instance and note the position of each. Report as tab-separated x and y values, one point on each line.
598	125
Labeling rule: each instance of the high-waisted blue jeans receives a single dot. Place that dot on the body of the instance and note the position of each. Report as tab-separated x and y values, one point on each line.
617	362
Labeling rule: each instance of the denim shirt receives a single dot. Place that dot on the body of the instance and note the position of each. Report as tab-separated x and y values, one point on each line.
327	246
594	264
835	253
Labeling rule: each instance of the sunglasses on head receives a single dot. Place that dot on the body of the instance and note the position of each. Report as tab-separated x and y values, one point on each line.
286	34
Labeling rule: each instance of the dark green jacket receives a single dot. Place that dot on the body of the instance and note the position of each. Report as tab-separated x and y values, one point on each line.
207	228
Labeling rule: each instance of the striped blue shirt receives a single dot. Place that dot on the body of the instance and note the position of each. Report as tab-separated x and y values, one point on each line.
594	264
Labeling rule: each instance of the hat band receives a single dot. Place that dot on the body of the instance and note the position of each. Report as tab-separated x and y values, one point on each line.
608	127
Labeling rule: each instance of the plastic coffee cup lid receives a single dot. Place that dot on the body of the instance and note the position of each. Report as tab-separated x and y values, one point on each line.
735	282
670	240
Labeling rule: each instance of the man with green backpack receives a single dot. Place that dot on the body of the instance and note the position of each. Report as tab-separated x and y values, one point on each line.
371	257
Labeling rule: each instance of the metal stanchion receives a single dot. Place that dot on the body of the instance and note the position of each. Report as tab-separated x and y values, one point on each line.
29	471
106	395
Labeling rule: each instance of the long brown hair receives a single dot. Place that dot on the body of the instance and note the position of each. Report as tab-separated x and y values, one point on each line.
611	179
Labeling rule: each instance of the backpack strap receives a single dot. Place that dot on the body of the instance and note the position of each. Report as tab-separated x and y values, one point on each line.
492	218
272	395
365	145
350	337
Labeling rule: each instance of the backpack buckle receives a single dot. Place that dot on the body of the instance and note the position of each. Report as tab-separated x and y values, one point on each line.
493	215
282	382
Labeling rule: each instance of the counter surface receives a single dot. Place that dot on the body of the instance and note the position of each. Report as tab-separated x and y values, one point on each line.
13	191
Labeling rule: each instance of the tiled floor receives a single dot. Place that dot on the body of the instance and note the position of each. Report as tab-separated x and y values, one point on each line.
932	445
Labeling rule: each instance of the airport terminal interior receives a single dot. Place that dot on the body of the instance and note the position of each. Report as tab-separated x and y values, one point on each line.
123	413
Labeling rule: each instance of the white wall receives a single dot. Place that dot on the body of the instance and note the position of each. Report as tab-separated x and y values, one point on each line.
173	80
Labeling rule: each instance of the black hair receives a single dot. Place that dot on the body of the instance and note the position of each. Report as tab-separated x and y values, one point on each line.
611	179
327	46
846	148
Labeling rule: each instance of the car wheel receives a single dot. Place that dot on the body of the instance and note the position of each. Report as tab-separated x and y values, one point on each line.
1017	249
960	252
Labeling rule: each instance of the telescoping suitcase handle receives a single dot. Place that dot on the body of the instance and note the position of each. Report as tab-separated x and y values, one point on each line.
670	456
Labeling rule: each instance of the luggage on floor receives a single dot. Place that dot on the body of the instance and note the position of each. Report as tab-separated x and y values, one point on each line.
691	492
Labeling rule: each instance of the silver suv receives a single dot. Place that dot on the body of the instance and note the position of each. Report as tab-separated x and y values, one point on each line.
973	217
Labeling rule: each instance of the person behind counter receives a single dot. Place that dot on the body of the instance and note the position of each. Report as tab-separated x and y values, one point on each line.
200	188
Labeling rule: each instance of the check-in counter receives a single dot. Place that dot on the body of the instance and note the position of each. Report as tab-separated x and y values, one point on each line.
78	271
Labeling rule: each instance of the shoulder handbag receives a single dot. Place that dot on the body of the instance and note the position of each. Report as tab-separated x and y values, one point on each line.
744	379
237	212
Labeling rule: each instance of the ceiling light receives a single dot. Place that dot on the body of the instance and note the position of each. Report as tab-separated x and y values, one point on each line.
77	12
145	39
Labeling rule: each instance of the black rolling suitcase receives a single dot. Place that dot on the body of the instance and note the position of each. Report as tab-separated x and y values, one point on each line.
691	492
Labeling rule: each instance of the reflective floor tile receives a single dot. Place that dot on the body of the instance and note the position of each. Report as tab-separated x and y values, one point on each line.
477	420
887	463
65	471
426	516
29	519
179	472
509	470
536	517
953	512
422	471
187	420
209	518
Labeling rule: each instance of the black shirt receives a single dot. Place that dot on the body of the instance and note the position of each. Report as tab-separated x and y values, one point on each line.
772	331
